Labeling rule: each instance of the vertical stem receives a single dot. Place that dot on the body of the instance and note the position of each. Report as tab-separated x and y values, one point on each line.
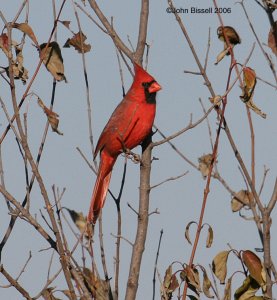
143	216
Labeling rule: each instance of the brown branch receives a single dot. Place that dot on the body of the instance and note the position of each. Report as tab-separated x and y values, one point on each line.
138	248
144	12
169	179
271	65
15	284
116	39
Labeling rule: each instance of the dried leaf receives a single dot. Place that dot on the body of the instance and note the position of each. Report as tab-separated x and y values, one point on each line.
52	59
187	236
206	284
4	43
249	83
19	72
66	24
271	40
192	279
97	286
170	283
204	164
247	290
228	289
52	117
219	265
25	28
241	199
210	237
252	106
221	55
216	100
77	41
254	266
78	218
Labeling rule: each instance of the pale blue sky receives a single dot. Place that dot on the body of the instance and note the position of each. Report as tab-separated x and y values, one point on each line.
179	201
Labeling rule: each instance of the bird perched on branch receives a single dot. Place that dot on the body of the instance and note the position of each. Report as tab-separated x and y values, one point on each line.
129	125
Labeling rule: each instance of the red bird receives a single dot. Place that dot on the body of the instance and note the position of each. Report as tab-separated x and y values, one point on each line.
128	126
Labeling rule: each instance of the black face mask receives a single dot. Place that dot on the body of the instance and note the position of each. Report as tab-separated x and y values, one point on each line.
150	97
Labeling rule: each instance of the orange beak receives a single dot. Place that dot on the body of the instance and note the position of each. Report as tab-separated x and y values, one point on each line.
154	87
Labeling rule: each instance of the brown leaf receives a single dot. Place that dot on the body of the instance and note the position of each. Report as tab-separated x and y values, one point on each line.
254	266
187	236
271	40
4	43
52	59
97	286
219	265
241	199
26	28
52	117
66	24
206	284
210	237
228	290
19	72
204	164
78	42
249	83
216	100
247	290
78	218
255	108
192	279
170	283
221	55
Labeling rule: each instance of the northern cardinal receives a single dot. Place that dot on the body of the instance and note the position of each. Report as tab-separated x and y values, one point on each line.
129	125
230	33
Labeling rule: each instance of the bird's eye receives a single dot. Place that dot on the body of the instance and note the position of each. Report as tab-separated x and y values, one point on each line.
145	84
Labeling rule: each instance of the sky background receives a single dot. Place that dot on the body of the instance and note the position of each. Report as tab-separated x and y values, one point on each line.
177	201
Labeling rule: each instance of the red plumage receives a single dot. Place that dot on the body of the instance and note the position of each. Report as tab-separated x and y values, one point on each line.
130	123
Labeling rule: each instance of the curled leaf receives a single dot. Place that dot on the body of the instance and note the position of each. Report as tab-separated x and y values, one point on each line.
216	100
210	237
66	23
247	290
249	83
252	106
271	39
221	55
78	218
52	59
219	265
97	286
205	162
228	290
52	117
192	279
26	28
78	42
170	283
206	284
19	72
254	266
241	199
187	236
4	43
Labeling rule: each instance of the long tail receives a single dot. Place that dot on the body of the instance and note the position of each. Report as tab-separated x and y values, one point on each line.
101	187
